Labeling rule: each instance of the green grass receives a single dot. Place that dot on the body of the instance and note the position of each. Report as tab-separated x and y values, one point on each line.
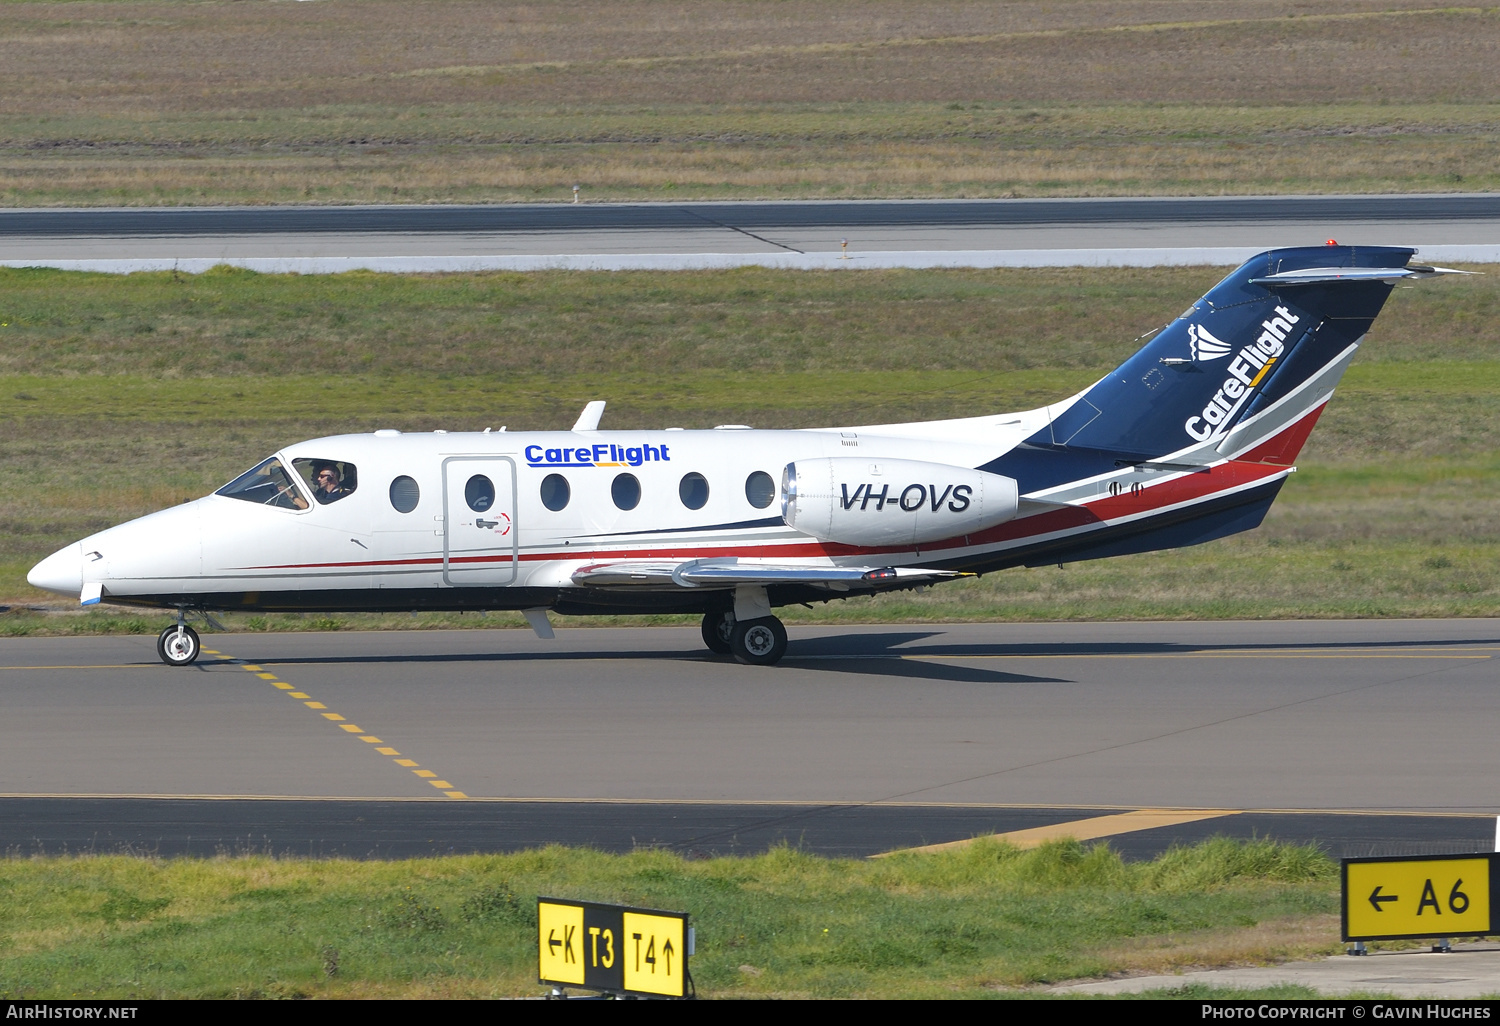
974	922
478	153
515	333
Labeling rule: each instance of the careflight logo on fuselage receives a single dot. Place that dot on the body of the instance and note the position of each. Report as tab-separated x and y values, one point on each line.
602	455
1246	371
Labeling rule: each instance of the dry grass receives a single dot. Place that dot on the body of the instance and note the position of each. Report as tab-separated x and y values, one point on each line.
343	101
119	58
1237	162
1266	943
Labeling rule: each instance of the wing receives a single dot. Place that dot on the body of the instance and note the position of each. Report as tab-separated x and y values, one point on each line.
729	572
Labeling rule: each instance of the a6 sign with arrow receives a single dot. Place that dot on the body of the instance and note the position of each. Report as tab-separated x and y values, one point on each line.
1408	898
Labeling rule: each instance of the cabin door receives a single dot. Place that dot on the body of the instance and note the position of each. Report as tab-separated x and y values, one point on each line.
480	548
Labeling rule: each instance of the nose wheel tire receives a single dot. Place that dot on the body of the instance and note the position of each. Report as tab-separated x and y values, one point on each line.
758	642
717	631
178	646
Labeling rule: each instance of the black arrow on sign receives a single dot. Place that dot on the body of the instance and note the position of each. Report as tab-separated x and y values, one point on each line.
1376	898
666	949
554	943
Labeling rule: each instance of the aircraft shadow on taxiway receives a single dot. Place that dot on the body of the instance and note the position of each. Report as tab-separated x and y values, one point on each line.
873	654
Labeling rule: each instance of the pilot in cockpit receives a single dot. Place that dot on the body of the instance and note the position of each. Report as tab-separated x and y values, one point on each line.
328	487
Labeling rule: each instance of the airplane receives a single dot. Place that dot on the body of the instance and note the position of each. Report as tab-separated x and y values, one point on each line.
1188	440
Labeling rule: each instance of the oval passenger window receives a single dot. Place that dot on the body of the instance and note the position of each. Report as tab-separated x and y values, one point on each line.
760	489
405	494
693	491
555	492
626	491
479	493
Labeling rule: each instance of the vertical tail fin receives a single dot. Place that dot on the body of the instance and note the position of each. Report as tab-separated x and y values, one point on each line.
1280	321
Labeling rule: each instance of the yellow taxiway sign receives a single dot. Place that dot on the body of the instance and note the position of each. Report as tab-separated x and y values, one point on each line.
1435	896
613	948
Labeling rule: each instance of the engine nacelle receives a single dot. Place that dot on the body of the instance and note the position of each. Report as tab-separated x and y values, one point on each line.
892	502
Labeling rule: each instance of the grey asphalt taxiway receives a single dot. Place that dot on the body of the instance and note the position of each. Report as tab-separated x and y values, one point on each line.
1031	232
1369	737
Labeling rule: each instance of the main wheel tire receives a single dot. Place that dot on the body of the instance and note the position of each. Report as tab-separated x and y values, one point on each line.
178	646
718	629
759	642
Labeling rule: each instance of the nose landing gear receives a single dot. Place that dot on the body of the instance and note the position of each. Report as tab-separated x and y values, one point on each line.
178	646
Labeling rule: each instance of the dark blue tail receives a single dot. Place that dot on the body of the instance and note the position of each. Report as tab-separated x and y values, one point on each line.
1258	334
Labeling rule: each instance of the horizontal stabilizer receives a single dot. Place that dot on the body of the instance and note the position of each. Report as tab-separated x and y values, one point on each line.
1323	275
727	573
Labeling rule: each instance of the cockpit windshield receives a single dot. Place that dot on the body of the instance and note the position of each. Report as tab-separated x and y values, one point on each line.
268	484
328	480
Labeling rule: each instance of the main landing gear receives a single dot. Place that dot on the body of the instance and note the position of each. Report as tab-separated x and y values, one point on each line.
717	630
757	642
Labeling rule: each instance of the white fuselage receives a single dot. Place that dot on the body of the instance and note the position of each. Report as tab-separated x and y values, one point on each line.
223	546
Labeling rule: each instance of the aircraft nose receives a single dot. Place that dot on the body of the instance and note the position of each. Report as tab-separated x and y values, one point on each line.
61	572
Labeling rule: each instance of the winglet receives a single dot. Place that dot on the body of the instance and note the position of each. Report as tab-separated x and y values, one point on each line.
588	420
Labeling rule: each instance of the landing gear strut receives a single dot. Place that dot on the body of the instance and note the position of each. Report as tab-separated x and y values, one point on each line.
178	646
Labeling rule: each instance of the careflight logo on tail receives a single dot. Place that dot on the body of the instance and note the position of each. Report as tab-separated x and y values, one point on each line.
1204	346
1246	372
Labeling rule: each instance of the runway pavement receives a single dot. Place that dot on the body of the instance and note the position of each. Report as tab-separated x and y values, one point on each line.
864	739
1141	232
438	219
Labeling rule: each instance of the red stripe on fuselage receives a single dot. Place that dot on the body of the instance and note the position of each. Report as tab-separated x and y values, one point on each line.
1152	498
1253	467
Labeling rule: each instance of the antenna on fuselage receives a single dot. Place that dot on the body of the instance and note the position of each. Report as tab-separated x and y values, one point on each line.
588	420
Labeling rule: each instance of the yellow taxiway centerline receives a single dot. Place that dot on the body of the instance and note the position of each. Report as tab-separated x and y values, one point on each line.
448	789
